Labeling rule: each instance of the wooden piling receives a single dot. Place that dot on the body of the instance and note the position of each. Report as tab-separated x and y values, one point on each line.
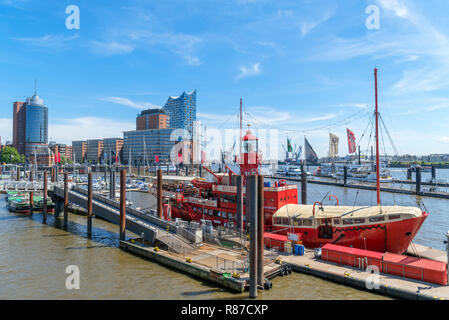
418	180
44	210
260	230
303	185
66	199
345	175
159	193
89	205
434	175
240	203
251	182
31	195
17	173
122	204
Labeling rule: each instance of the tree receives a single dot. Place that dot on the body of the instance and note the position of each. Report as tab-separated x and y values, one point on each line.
11	155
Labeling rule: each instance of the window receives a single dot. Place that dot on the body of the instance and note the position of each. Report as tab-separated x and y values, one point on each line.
285	221
348	221
360	220
306	222
336	221
394	216
376	219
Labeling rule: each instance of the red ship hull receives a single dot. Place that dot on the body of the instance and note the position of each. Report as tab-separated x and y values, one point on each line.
393	237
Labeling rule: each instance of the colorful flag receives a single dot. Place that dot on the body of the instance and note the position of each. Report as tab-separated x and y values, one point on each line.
289	145
333	145
57	157
156	158
351	141
311	156
203	156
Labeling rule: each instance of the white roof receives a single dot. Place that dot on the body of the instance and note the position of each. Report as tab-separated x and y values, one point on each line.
306	211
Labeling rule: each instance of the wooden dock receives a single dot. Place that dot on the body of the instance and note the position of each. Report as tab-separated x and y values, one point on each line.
389	285
432	194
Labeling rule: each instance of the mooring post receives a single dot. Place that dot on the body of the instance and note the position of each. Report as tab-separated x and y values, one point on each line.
66	199
447	250
138	169
260	230
122	204
111	196
159	193
112	184
303	185
345	175
201	170
251	182
17	173
240	204
434	174
105	173
418	180
31	195
44	210
89	205
409	174
168	169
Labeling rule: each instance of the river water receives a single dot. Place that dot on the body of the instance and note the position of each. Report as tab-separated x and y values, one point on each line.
34	256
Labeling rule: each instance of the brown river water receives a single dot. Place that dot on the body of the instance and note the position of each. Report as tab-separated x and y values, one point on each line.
34	258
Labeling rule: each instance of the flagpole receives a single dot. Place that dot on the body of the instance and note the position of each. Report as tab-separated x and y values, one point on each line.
377	142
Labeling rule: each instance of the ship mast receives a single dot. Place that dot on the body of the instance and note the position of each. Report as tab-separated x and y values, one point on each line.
241	135
377	141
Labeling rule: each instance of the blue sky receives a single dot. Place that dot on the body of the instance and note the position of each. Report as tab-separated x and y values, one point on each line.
299	66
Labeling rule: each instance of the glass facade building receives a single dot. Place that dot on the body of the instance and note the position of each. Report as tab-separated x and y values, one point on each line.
182	111
141	146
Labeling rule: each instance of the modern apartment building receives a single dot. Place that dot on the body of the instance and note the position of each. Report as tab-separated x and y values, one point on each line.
152	119
79	149
142	146
94	150
112	148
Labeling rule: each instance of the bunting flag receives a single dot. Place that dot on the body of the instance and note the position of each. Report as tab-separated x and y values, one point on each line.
311	156
203	156
351	141
57	157
289	145
333	145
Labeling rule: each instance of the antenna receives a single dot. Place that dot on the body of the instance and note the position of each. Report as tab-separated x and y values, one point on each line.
35	87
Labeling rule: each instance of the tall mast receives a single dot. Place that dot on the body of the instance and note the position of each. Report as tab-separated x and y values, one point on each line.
377	142
240	138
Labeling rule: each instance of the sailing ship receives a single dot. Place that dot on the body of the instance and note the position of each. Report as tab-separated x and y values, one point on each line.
377	228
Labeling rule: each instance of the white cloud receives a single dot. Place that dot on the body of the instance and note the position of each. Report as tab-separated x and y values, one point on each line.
5	129
48	41
68	130
130	40
308	26
249	71
130	103
110	48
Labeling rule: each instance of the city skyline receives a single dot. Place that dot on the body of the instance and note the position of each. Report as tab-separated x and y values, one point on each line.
297	66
